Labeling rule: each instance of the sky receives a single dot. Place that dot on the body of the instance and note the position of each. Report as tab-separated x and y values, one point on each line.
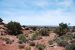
38	12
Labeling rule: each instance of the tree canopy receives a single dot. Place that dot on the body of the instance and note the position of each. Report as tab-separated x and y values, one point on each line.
62	29
14	28
1	20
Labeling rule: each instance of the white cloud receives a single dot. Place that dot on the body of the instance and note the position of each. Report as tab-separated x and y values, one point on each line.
41	3
63	13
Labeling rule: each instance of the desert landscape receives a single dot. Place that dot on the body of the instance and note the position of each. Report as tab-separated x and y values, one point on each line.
14	36
37	24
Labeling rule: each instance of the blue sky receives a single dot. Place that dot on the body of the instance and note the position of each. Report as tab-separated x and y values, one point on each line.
38	12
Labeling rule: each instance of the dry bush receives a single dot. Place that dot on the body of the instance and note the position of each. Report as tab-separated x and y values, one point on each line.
8	41
32	43
50	42
70	47
21	46
22	38
40	47
28	48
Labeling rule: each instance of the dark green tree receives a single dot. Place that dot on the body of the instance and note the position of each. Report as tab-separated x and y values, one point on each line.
62	29
14	28
1	20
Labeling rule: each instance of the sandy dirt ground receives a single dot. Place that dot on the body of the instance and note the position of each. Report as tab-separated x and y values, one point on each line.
44	41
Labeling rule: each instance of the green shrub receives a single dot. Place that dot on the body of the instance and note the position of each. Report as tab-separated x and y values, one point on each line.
62	43
40	47
35	35
22	38
44	32
72	35
70	47
50	42
28	48
8	41
66	37
34	28
63	40
72	41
